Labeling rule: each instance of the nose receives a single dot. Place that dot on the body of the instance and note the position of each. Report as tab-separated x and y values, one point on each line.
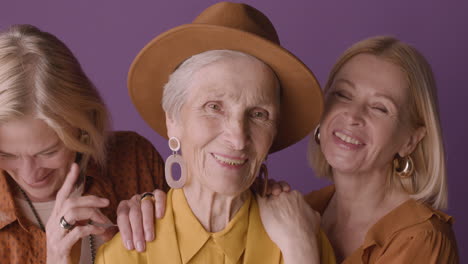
27	167
355	114
236	134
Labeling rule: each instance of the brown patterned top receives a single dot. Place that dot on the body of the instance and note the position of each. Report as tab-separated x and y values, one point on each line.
133	166
411	233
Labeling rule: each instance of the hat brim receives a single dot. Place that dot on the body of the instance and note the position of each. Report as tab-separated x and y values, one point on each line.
301	96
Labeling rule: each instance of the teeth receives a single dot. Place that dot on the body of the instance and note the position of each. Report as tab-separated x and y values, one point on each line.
347	139
232	162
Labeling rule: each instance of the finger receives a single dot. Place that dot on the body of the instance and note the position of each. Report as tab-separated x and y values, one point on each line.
136	223
276	189
68	184
160	203
79	232
123	222
85	213
147	214
270	184
88	201
285	186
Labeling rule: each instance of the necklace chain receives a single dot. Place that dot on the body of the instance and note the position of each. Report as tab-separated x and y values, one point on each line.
33	209
92	244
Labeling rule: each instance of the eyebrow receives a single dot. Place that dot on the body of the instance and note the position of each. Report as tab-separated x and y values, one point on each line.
56	144
350	83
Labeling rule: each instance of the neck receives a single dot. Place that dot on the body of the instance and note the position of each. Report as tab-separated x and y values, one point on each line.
364	195
38	200
19	194
212	209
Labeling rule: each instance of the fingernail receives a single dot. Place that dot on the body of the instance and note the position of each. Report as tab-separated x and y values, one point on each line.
158	213
129	245
149	237
140	246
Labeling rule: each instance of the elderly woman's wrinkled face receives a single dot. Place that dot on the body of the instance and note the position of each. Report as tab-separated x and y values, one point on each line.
227	123
34	156
365	121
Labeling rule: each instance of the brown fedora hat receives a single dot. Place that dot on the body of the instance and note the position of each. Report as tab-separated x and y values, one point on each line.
227	26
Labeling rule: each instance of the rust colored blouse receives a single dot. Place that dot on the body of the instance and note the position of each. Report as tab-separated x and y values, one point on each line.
133	166
411	233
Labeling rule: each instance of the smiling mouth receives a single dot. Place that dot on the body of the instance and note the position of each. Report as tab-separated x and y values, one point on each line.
229	161
348	139
40	182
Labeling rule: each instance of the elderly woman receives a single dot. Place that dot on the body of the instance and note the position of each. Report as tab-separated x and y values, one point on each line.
381	144
51	116
224	110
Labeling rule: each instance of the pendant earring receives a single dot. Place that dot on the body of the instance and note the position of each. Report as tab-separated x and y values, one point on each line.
403	166
175	158
317	134
263	175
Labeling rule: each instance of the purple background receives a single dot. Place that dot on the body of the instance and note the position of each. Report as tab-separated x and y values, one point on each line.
106	36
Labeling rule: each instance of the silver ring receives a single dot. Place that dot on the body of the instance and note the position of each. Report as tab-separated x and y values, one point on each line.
64	224
147	195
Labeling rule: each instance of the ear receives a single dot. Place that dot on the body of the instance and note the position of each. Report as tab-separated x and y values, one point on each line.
415	137
174	129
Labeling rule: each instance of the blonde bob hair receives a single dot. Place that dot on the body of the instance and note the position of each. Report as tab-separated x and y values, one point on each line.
428	183
39	76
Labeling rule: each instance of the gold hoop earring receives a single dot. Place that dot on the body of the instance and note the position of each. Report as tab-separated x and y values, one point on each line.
403	166
263	175
317	134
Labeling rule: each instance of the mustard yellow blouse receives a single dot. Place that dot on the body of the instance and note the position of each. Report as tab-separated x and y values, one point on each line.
181	239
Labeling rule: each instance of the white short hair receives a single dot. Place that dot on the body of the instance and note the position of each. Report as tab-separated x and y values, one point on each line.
175	91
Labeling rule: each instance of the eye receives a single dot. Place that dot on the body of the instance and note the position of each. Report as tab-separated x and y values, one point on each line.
7	156
381	109
259	114
216	107
49	154
341	95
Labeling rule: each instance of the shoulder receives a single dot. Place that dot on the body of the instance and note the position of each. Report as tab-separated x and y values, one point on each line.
126	140
133	165
416	231
422	221
114	252
129	149
164	244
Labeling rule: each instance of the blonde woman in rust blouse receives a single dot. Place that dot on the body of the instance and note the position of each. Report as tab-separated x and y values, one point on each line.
380	143
51	116
224	111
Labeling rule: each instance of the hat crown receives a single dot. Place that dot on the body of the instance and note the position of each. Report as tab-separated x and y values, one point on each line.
240	17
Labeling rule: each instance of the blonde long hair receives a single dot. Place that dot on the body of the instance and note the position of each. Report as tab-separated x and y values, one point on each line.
39	76
429	180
